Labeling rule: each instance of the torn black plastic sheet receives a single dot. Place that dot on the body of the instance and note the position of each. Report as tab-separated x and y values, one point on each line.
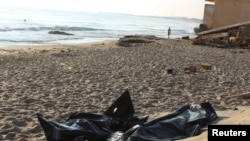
118	123
182	123
93	127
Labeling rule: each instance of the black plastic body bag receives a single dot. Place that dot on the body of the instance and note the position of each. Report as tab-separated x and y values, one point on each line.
119	118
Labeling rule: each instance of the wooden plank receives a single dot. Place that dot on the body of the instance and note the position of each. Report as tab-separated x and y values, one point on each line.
218	35
224	28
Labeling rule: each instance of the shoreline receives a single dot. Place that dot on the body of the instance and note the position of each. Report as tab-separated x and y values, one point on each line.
56	47
59	80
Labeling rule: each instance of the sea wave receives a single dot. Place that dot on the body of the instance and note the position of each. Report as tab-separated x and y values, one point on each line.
46	28
30	40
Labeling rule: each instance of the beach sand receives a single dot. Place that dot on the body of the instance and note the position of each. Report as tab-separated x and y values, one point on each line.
58	80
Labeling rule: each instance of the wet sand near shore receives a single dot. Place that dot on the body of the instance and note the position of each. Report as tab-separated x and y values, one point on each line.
57	80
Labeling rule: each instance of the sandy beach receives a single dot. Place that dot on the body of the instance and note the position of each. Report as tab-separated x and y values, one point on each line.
58	80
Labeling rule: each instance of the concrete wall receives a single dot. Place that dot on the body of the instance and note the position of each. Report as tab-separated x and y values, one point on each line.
229	12
208	17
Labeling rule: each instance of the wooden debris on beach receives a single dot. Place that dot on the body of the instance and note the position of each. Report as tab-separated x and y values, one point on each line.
137	40
170	71
190	69
206	66
237	35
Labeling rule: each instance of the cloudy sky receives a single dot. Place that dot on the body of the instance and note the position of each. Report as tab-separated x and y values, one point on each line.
183	8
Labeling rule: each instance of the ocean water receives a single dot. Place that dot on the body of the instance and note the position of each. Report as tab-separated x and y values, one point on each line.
20	26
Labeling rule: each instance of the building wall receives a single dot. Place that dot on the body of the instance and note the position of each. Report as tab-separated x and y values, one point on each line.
229	12
208	16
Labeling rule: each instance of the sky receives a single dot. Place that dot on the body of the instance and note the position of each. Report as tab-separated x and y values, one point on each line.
179	8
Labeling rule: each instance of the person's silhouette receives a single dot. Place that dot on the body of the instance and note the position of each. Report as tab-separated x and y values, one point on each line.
169	32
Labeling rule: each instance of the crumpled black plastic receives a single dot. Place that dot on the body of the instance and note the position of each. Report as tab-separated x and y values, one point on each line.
118	123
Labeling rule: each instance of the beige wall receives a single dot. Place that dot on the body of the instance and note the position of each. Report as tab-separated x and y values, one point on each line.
229	12
208	15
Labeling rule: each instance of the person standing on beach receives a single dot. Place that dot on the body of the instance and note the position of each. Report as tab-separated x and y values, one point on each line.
169	32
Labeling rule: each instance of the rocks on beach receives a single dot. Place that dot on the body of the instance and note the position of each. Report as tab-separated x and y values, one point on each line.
137	40
59	33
